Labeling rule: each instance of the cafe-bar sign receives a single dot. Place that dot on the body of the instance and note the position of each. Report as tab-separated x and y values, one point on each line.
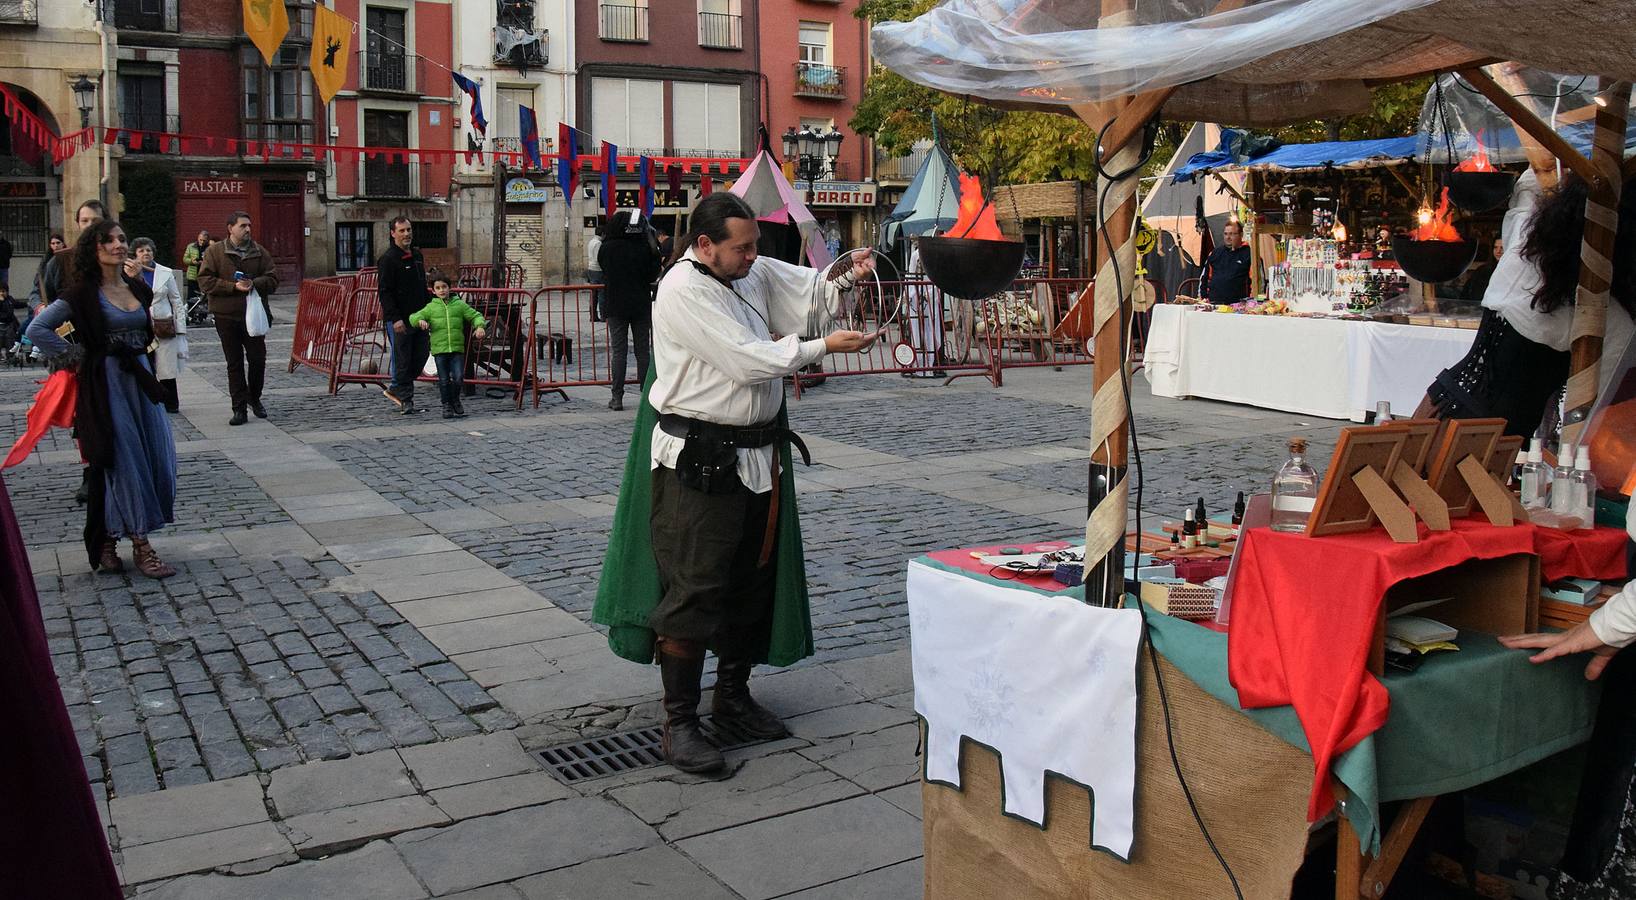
842	193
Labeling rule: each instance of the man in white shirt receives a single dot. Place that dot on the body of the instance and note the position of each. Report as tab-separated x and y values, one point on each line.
593	272
718	392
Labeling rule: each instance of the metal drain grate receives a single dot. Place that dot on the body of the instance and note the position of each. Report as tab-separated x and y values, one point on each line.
626	751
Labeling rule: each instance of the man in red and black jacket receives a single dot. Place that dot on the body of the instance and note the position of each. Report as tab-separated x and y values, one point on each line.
402	288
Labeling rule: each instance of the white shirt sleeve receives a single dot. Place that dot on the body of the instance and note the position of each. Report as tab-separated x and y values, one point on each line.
1615	622
1515	280
792	294
707	332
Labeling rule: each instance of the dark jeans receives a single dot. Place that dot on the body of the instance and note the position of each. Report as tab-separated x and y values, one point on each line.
409	353
618	331
707	547
246	361
451	374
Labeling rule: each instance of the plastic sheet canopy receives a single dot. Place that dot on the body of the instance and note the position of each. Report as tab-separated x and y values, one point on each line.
1565	102
1053	52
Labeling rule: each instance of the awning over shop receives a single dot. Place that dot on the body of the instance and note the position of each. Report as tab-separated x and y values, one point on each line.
1292	157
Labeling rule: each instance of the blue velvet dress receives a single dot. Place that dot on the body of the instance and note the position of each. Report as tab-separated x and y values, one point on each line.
141	486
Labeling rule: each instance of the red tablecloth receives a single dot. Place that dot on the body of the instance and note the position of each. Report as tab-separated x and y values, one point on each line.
1597	553
1304	617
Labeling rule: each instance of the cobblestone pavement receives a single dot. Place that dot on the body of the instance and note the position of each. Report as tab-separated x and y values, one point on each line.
363	594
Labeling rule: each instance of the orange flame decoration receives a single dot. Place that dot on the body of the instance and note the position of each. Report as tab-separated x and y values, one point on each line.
1437	228
976	219
1477	162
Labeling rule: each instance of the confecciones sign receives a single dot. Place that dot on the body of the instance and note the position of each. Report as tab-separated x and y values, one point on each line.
842	193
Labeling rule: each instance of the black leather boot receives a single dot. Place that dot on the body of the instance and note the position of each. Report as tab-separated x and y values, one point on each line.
681	665
732	705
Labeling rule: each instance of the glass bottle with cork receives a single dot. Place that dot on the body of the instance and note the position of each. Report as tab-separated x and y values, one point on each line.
1294	490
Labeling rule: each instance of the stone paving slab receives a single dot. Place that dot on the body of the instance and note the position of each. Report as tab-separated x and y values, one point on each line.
182	811
467	760
484	798
519	843
322	833
761	788
836	841
374	872
656	873
200	852
344	782
894	882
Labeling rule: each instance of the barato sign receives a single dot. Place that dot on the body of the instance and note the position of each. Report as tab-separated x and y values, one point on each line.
842	193
213	186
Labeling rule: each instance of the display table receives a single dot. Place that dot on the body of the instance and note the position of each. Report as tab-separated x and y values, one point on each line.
1461	719
1334	368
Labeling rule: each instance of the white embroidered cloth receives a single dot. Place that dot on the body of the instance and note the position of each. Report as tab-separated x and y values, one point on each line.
1047	682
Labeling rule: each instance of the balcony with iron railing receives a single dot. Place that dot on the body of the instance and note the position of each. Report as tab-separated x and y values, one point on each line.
19	12
824	82
721	31
890	169
520	47
620	22
384	177
287	132
138	15
391	71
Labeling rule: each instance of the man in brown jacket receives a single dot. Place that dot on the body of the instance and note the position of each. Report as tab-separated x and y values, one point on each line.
227	273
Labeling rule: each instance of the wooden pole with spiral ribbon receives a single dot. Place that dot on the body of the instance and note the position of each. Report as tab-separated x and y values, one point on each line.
1596	257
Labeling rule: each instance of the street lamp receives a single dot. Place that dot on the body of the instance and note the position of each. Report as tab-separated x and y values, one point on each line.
85	97
814	152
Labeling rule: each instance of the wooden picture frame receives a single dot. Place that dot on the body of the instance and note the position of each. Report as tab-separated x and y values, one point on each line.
1463	438
1503	456
1422	437
1355	494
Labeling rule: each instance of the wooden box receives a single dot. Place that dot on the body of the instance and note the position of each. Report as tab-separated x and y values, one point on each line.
1490	596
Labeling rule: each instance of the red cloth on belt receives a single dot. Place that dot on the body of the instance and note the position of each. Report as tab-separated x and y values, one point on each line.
53	405
1304	613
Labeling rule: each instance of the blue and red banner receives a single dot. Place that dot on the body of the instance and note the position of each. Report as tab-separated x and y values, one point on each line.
610	179
529	128
644	175
567	160
478	123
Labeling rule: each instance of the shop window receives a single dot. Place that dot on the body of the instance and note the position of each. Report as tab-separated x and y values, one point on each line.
278	99
431	235
354	246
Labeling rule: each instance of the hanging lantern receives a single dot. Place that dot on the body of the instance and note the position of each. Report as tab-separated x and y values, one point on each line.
1434	252
975	260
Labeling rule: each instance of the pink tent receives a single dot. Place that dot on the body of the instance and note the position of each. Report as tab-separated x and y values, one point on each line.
764	187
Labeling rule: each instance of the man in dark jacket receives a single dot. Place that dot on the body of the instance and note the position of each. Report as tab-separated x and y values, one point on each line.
228	271
630	266
48	284
401	285
1226	276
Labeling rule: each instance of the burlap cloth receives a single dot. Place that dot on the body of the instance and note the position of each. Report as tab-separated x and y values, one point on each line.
1250	786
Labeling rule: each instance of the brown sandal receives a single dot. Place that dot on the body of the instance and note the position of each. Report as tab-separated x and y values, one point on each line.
148	562
110	561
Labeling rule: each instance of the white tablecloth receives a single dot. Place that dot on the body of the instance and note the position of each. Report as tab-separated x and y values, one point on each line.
1333	368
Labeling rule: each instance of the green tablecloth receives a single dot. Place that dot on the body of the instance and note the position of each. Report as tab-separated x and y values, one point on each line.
1461	719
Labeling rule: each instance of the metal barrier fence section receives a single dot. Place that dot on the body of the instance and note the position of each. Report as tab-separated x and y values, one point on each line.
320	310
502	358
573	349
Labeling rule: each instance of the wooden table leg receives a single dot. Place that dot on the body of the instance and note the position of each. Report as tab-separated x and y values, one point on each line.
1349	858
1392	849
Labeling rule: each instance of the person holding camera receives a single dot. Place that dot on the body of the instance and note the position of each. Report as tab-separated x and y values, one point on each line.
228	272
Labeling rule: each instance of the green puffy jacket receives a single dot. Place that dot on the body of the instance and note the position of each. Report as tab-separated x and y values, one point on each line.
448	319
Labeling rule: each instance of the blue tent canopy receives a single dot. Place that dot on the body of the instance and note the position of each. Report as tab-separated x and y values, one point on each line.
932	199
1339	154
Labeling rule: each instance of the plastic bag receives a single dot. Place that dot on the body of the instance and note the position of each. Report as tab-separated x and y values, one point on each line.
256	323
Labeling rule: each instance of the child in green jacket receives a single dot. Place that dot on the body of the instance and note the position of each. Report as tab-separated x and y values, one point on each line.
446	317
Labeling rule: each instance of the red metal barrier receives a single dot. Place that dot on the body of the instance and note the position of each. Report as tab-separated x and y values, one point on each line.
917	316
571	349
475	275
502	358
320	308
1016	325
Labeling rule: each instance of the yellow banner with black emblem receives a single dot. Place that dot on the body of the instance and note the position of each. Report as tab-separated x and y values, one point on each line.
331	38
266	22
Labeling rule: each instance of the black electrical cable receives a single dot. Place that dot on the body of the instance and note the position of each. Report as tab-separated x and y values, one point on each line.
1566	93
1136	456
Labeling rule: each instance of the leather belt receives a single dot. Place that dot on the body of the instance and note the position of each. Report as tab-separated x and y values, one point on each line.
746	437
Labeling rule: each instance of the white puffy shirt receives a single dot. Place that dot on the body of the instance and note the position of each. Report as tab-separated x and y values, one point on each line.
1615	621
718	361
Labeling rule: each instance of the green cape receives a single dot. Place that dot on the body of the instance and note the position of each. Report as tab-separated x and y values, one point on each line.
629	589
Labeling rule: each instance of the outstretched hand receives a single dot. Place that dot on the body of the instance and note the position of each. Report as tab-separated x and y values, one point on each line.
863	262
849	341
1578	639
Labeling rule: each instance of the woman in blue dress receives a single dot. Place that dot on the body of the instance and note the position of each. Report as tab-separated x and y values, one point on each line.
123	432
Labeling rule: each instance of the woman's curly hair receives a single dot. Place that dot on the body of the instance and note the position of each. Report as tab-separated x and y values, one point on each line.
1553	246
85	266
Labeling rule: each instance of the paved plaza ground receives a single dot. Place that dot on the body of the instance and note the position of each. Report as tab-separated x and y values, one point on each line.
378	619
